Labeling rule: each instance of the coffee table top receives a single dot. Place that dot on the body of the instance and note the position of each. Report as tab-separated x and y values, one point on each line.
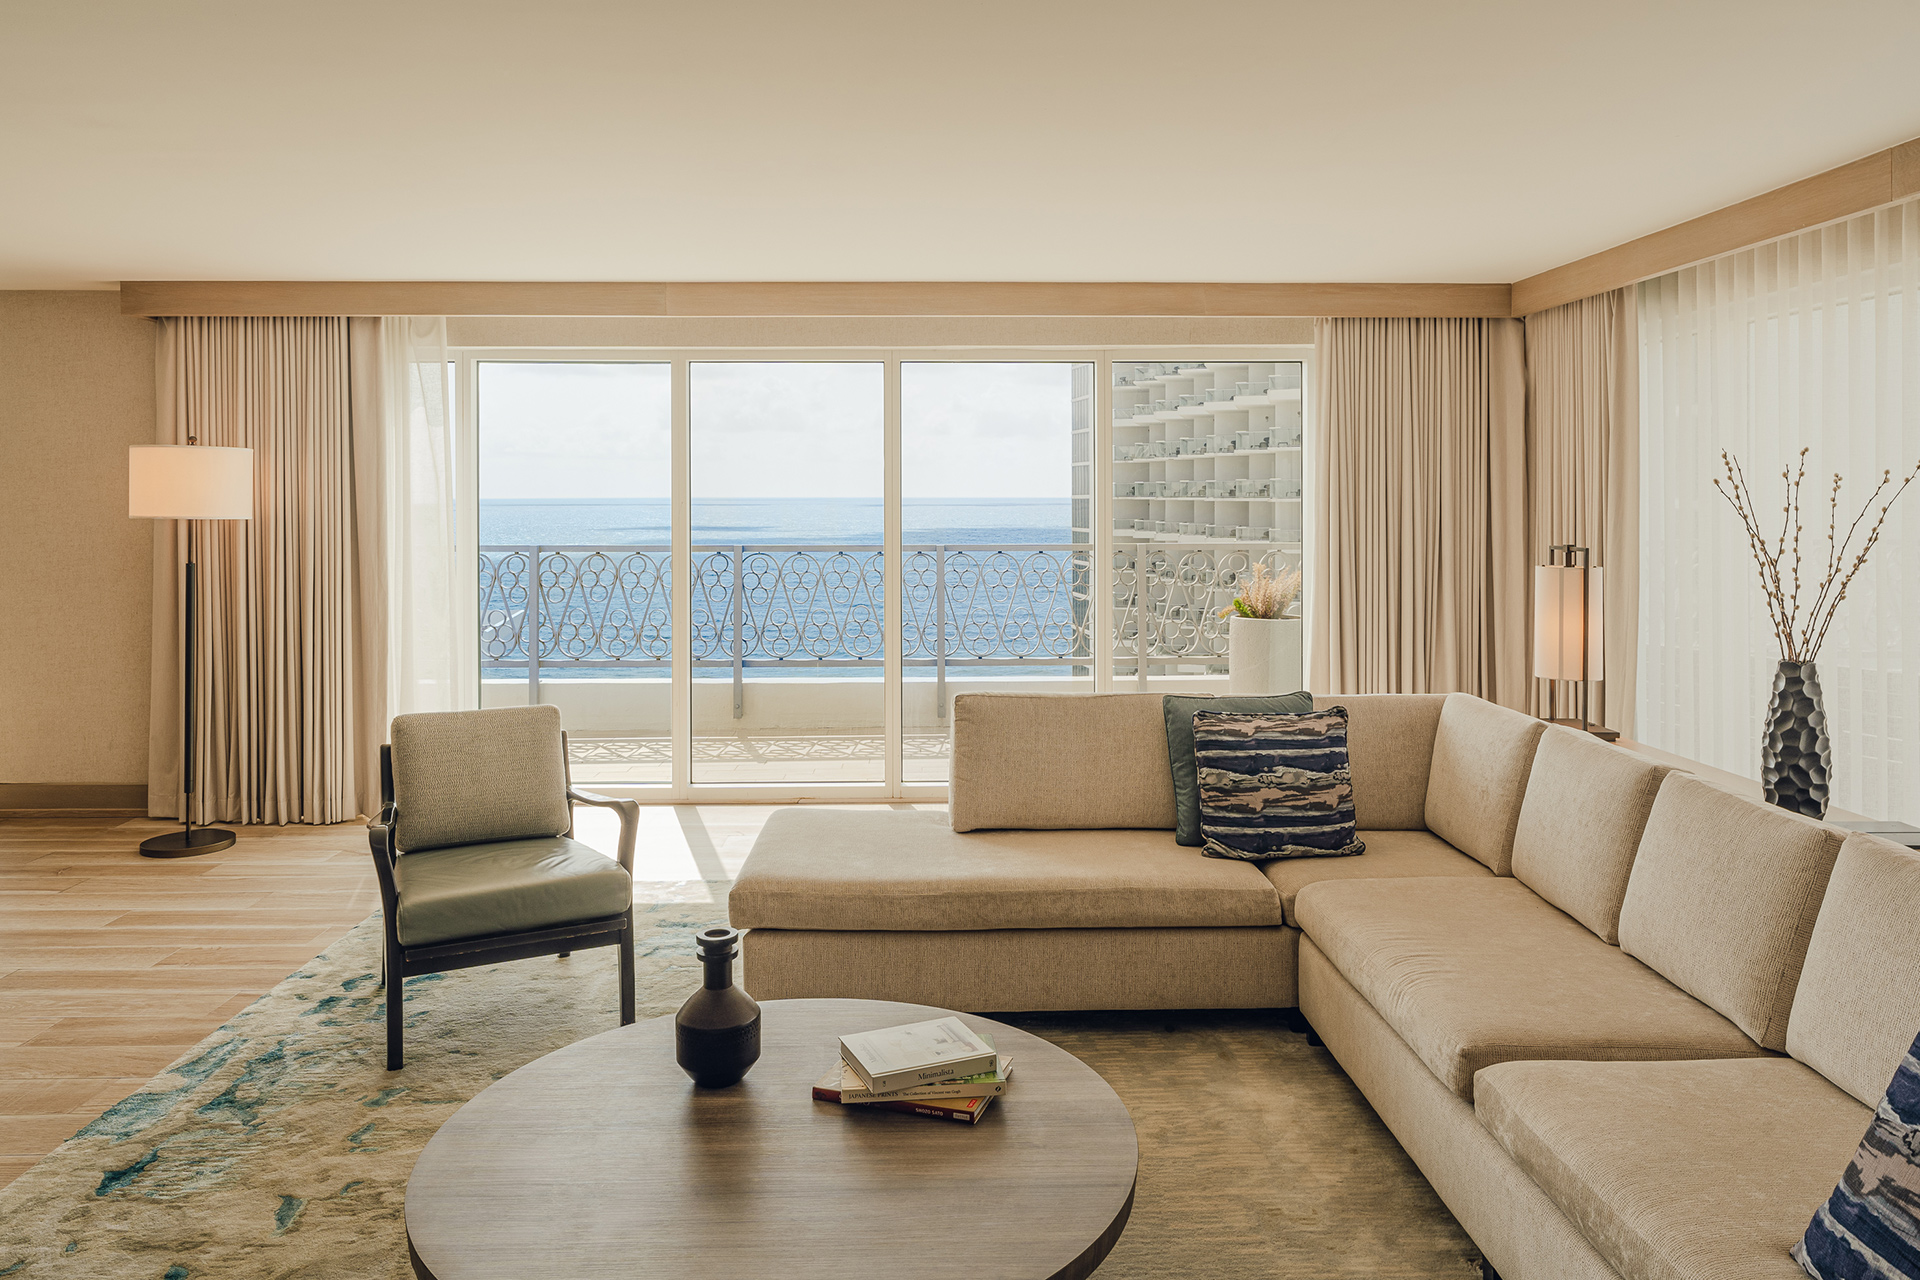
602	1160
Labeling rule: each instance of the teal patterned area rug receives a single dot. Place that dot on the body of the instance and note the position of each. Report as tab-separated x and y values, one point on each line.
279	1147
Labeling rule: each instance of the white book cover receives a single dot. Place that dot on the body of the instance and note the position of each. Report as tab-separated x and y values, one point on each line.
917	1053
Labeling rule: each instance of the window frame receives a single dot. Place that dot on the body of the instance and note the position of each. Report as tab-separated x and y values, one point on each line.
682	789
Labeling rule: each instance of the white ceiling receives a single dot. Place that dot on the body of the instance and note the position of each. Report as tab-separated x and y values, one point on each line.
911	139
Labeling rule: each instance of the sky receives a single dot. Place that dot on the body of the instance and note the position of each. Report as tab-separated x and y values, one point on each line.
775	430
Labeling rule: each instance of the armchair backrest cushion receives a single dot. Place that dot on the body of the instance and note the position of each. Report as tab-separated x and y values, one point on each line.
472	777
1580	825
1389	753
1060	762
1482	758
1857	1007
1722	899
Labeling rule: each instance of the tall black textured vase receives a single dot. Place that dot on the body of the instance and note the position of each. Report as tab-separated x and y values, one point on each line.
716	1034
1796	758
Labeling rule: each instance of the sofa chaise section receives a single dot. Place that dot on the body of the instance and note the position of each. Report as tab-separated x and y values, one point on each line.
884	904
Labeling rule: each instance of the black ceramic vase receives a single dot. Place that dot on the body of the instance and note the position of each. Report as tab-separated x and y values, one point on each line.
1796	758
716	1034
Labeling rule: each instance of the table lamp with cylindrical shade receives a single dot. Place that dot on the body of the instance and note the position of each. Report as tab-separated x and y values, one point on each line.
189	482
1569	630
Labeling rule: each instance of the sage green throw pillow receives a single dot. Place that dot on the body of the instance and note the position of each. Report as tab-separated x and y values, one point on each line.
1179	711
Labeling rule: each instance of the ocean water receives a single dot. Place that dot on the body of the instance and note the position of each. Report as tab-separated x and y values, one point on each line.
775	521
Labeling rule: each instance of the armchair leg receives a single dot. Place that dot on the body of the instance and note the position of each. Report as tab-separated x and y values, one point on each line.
396	1010
626	972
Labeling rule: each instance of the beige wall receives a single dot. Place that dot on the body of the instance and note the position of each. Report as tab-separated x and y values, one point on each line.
76	387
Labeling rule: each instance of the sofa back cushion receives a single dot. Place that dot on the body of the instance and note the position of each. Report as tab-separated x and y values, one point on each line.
1389	751
1858	1004
1722	900
1580	824
1060	762
1482	757
475	777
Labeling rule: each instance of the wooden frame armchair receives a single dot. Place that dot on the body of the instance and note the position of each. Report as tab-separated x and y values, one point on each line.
475	853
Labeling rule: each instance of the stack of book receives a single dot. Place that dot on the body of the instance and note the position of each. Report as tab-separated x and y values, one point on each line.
940	1068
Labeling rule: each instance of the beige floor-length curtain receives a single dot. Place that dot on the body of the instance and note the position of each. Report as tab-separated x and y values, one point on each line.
280	723
1421	573
1583	445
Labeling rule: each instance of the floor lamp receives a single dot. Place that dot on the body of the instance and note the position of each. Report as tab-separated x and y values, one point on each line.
1569	631
188	482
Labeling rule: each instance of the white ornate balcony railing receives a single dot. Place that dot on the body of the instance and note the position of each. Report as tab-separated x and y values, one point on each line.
820	607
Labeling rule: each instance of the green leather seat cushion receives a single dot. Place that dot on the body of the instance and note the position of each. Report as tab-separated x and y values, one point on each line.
474	891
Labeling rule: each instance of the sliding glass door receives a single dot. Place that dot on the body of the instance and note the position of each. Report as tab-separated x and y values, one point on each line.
574	561
996	522
769	574
789	577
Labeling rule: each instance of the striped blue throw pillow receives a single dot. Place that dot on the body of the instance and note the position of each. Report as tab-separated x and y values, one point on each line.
1869	1228
1274	786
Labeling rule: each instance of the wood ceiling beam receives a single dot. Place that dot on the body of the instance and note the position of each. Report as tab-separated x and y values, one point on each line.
891	298
1876	180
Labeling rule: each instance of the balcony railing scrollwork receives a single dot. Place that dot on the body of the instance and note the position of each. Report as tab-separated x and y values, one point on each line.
820	607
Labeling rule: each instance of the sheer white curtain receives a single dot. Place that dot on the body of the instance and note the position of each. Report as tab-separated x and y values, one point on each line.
1812	341
401	361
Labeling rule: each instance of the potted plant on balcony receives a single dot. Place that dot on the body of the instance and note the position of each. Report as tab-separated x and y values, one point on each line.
1264	633
1796	755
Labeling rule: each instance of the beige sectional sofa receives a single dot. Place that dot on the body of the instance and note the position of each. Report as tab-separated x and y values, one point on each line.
1622	1020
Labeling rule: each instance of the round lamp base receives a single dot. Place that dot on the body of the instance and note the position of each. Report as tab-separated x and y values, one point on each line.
187	844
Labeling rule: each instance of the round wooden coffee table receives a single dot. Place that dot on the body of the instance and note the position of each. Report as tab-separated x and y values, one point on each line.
602	1160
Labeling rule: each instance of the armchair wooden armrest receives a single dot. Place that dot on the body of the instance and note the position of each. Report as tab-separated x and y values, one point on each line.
629	811
380	841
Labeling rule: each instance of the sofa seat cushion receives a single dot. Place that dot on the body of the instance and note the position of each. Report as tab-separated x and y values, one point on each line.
908	870
1702	1170
1471	972
1390	855
477	890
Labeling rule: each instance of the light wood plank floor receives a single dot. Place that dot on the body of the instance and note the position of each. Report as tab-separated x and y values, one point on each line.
112	964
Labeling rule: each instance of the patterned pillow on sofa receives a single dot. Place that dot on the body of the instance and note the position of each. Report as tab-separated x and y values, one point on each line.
1869	1228
1275	786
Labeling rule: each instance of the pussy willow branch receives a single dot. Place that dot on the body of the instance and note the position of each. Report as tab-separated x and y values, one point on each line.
1737	496
1801	642
1860	561
1768	556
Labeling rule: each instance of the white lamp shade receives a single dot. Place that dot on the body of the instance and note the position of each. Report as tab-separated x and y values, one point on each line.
189	482
1556	624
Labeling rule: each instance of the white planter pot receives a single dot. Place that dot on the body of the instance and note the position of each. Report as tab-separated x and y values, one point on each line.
1264	655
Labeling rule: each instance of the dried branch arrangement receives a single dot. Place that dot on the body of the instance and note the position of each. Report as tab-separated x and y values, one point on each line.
1266	594
1779	560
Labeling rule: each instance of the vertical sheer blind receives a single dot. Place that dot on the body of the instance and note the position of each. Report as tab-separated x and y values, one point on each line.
1812	342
